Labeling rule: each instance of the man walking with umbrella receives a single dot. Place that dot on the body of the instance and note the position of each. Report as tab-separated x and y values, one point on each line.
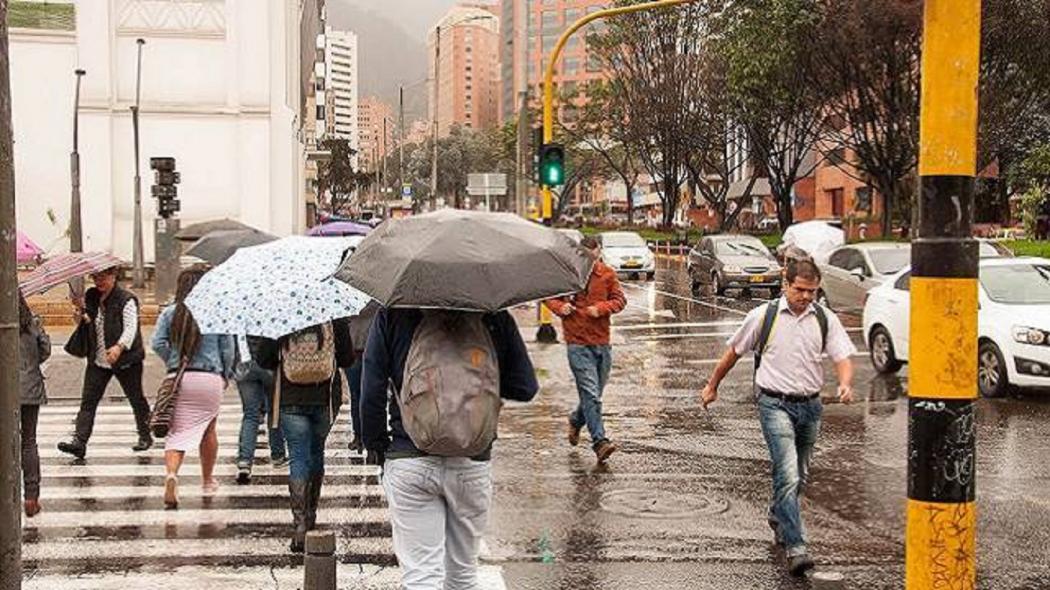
110	315
585	326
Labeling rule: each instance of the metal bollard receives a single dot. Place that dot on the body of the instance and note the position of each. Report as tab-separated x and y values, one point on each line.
319	561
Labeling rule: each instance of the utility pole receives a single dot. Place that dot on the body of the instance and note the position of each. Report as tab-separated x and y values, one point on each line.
385	151
10	402
434	137
401	140
521	184
138	254
76	229
941	540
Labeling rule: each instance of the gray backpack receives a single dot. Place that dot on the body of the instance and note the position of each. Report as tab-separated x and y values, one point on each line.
449	397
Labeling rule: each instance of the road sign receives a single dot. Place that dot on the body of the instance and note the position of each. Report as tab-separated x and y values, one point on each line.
486	185
406	191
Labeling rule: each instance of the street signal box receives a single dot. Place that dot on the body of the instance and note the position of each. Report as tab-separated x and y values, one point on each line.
552	165
164	188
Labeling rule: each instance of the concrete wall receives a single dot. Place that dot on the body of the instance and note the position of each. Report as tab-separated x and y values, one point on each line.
219	93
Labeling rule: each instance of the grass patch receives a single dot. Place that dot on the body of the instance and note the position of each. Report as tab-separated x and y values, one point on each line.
42	15
1029	247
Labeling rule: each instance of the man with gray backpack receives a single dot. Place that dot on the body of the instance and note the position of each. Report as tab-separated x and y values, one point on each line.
448	373
788	337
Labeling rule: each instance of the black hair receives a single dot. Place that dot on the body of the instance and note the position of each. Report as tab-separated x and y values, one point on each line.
806	269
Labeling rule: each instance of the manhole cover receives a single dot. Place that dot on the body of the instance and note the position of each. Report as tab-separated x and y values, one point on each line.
661	504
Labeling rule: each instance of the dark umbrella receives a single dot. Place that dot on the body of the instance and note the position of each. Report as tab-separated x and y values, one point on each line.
453	259
217	246
192	233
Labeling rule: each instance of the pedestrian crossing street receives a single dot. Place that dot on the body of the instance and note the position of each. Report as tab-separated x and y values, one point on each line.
104	525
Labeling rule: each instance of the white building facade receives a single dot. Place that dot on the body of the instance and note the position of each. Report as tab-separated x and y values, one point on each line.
221	91
342	83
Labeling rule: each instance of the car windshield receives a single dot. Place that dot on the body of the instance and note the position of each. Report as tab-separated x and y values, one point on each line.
1017	284
890	260
622	241
741	248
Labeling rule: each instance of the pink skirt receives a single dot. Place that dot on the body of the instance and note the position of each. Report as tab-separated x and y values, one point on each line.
197	405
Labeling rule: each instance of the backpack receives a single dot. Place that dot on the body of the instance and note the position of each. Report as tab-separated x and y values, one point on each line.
449	396
306	361
770	319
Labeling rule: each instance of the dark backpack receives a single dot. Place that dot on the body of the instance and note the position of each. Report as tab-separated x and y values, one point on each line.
770	319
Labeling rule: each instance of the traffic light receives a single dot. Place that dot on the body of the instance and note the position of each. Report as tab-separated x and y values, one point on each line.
552	165
164	190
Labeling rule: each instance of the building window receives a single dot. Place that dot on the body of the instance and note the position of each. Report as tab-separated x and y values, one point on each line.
549	20
572	15
468	49
320	112
835	197
863	200
571	66
549	41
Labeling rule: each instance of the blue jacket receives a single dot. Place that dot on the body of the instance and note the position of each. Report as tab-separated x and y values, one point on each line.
384	363
216	353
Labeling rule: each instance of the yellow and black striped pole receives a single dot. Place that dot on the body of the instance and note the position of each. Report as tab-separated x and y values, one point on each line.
941	530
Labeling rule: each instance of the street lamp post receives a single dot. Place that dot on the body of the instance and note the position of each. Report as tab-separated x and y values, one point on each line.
138	254
76	229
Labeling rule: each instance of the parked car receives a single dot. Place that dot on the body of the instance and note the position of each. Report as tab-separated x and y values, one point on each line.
1013	324
733	261
851	271
627	253
573	234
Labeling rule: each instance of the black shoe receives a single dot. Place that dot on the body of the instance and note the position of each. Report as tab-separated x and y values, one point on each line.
244	474
144	444
75	448
798	565
356	444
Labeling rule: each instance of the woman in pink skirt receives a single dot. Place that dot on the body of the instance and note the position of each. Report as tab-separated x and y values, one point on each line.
209	362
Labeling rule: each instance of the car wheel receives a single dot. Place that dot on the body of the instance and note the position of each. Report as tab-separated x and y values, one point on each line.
774	293
650	276
716	284
991	370
883	357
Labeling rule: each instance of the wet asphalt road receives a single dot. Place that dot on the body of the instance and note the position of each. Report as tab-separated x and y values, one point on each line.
682	505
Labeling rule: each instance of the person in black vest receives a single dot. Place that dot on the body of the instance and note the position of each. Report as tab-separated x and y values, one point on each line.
115	350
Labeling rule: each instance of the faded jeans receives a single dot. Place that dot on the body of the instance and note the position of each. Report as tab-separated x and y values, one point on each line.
590	367
255	400
790	429
439	507
306	428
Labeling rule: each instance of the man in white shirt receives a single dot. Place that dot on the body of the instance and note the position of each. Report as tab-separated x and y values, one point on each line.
788	340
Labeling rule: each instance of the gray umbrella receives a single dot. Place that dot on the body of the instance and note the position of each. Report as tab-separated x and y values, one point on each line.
217	246
192	233
453	259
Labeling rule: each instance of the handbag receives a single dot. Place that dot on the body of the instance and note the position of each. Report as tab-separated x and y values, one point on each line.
79	343
164	407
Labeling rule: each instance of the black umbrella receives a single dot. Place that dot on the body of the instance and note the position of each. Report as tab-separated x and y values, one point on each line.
453	259
217	246
192	233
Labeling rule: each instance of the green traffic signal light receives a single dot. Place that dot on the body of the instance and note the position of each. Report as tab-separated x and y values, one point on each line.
552	165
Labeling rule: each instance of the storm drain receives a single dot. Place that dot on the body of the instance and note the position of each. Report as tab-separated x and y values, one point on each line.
652	503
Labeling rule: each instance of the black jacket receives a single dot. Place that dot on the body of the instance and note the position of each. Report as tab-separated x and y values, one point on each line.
113	322
314	394
384	366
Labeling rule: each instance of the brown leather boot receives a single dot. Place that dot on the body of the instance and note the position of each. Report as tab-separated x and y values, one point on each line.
297	492
603	449
313	497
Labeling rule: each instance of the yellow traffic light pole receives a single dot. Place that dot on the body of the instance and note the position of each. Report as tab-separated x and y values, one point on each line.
940	548
546	332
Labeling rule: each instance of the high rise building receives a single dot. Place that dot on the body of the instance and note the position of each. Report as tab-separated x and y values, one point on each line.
341	63
376	126
530	30
468	68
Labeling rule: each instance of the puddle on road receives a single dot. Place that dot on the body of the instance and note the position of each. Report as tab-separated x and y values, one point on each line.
660	504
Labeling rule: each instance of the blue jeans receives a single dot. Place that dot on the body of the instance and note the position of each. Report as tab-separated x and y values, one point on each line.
590	367
306	428
790	430
353	381
255	400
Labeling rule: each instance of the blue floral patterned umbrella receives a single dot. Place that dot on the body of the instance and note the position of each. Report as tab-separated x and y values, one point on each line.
276	289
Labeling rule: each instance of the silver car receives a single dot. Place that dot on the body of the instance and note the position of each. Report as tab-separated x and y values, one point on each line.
853	270
733	261
627	253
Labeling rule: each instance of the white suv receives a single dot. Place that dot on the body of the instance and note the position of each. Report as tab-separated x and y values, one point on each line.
1013	324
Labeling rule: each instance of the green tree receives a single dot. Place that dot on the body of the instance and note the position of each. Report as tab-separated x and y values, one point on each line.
337	179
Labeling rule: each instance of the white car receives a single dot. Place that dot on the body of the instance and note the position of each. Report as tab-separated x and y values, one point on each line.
627	253
1013	324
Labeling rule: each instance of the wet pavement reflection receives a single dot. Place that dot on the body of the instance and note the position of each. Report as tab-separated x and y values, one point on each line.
682	505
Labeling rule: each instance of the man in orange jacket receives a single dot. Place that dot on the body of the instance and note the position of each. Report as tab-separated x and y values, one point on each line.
585	327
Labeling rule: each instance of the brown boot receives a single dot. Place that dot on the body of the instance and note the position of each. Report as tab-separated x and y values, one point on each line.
297	492
313	497
32	508
603	449
574	434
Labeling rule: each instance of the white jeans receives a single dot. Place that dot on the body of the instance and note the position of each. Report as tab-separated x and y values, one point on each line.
439	507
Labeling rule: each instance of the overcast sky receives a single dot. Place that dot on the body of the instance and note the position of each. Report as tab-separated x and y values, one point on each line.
415	16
